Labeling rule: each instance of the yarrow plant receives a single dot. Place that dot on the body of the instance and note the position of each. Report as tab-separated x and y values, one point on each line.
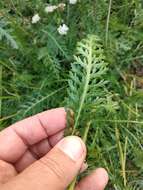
86	84
50	8
36	18
62	5
63	29
72	2
48	59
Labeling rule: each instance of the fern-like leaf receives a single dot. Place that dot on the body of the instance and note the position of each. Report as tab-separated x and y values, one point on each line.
9	39
86	83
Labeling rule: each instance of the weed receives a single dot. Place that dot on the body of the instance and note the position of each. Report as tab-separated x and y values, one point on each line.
41	69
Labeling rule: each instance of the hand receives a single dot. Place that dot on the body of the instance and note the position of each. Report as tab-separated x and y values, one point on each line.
35	156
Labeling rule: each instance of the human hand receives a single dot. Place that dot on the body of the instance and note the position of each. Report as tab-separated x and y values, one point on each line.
35	156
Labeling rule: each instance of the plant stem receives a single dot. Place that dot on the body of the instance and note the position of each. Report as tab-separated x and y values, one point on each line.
88	75
68	13
122	155
107	22
86	132
89	68
72	185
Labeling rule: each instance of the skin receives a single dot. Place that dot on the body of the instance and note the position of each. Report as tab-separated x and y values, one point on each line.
35	155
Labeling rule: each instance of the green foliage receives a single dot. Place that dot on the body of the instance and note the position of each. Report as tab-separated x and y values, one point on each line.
40	69
4	34
86	84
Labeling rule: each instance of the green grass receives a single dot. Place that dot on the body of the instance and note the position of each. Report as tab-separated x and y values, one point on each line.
36	66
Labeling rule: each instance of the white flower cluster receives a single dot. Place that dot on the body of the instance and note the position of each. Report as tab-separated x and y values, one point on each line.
72	2
35	18
52	8
62	29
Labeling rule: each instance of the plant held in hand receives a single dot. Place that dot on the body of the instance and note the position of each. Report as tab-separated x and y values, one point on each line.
86	84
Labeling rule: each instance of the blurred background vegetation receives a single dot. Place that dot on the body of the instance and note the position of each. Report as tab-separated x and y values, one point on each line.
35	61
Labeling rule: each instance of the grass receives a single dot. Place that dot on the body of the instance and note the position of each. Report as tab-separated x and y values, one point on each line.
35	62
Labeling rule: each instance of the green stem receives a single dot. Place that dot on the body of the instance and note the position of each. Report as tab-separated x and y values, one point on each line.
73	184
107	22
68	13
88	75
81	104
86	132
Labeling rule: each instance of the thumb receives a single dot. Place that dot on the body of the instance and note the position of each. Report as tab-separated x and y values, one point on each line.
56	170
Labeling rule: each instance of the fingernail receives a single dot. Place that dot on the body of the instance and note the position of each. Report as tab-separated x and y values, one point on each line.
72	147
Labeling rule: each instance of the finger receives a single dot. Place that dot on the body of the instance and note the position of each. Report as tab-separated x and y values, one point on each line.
30	131
37	151
97	180
7	172
56	170
32	154
54	139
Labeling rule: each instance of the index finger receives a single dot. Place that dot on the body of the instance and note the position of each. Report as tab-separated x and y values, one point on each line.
16	139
